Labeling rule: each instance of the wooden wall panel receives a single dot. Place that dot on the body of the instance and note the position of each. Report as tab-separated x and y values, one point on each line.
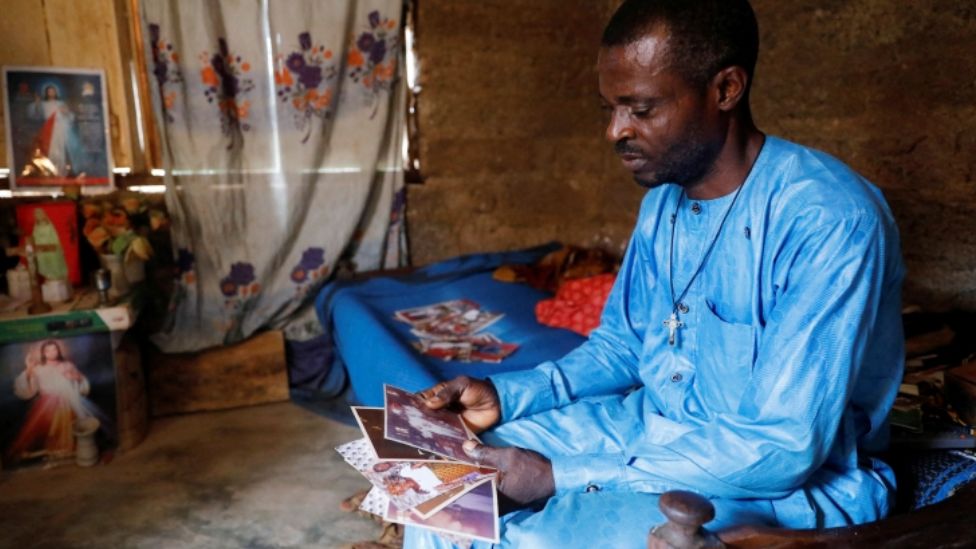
69	33
85	34
23	41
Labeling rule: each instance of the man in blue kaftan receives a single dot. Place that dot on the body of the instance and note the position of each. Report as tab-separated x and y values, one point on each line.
752	346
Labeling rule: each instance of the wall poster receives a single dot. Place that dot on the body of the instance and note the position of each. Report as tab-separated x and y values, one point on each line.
51	388
57	127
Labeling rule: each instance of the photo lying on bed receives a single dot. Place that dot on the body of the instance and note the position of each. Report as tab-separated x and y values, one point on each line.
447	319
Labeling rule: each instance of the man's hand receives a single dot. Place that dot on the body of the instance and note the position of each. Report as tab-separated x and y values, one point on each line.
475	399
524	477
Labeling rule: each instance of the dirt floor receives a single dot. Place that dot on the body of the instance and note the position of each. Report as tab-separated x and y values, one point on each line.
265	476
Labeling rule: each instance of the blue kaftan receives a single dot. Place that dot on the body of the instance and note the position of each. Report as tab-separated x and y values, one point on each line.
778	386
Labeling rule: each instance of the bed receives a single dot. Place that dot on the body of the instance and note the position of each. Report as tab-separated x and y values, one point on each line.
373	348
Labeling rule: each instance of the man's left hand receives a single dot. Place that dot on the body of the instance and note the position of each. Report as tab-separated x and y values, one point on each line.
524	476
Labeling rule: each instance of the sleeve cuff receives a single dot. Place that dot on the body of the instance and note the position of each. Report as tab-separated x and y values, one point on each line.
587	473
523	393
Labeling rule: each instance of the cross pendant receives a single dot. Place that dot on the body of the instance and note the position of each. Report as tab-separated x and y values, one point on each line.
672	324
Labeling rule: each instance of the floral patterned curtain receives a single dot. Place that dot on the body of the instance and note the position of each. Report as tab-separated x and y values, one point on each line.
280	128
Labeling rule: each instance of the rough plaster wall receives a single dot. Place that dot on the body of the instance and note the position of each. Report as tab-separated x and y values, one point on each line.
889	87
512	134
511	130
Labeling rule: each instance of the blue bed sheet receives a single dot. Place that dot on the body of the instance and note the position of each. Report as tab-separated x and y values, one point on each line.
374	348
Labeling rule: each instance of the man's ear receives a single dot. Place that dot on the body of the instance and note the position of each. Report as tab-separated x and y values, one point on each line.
731	84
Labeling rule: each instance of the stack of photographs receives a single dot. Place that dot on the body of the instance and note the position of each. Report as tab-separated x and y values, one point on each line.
449	331
421	476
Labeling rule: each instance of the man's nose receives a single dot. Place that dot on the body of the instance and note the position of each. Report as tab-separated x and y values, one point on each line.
619	128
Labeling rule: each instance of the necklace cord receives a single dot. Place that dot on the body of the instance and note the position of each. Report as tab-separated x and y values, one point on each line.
708	252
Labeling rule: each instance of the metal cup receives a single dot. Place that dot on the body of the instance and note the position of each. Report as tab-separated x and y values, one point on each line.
103	282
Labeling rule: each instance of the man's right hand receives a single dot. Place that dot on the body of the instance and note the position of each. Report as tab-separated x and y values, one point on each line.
475	399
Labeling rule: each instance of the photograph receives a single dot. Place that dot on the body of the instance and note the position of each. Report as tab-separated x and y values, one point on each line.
46	388
449	331
410	422
411	483
446	350
56	127
375	502
418	316
424	485
371	423
433	505
447	319
493	352
473	515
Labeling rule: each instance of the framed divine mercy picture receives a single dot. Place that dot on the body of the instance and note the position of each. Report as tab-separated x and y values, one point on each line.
56	127
49	390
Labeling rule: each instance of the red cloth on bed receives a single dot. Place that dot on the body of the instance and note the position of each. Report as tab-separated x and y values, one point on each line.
578	304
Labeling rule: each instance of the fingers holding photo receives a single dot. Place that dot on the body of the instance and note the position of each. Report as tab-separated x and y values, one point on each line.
524	476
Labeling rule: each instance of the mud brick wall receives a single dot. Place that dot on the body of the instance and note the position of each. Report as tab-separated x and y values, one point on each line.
512	133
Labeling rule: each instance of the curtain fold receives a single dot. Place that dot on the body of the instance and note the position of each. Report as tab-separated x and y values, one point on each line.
281	133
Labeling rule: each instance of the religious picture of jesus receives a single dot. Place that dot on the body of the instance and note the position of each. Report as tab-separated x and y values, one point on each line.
57	132
55	383
57	128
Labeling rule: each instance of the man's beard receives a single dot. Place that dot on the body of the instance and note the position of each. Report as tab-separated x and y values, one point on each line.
686	162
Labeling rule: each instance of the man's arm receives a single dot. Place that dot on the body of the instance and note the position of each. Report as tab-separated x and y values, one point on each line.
605	364
802	381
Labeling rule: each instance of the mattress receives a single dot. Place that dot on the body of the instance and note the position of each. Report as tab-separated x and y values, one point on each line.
373	348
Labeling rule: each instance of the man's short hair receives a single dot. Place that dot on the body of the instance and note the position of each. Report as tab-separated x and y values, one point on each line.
704	36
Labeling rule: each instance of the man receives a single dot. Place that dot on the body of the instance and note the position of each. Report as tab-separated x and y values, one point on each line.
751	347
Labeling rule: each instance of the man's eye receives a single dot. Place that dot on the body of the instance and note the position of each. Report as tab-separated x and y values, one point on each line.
640	112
